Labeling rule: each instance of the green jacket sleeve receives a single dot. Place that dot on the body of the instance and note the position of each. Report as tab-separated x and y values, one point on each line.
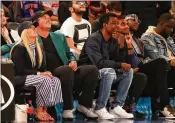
69	54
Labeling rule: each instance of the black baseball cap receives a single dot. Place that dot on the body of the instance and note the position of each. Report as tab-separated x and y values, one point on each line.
25	25
39	14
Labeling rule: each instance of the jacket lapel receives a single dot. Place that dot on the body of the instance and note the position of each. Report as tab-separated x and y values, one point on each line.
57	47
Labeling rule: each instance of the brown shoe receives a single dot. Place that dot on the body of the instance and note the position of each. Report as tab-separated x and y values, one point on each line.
168	112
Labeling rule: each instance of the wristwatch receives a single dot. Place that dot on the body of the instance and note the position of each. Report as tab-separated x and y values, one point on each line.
38	73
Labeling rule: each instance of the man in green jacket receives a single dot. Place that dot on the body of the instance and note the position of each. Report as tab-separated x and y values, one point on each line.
62	63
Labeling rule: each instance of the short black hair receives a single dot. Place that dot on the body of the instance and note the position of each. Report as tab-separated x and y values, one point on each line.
114	5
165	18
105	19
121	17
69	3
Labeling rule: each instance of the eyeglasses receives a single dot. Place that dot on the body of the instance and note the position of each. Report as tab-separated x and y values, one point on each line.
82	3
135	20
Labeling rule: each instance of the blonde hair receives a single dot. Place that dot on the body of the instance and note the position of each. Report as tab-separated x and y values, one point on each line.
25	41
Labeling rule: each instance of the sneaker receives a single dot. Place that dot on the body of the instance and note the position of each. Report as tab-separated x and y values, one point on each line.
168	112
67	115
103	114
119	112
136	113
88	112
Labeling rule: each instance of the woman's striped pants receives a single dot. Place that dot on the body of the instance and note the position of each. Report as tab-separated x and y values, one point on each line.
48	90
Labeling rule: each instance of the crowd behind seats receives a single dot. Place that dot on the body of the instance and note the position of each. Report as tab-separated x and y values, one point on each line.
124	45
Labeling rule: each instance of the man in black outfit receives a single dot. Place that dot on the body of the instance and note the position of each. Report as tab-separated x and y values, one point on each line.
139	79
156	71
62	63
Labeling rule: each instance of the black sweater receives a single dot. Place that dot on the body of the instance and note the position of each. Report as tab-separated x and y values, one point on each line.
102	53
23	64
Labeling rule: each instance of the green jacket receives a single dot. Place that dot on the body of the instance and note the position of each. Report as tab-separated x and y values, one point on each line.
61	46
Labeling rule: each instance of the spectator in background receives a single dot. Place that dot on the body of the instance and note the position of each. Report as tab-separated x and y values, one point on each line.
24	10
112	7
30	70
159	44
63	11
147	11
75	28
172	10
98	50
62	63
6	37
96	8
5	7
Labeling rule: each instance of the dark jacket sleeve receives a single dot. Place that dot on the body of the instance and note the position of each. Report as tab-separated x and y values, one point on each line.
132	60
43	67
18	54
92	48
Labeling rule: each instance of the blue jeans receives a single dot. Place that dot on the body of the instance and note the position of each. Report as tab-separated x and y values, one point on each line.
108	77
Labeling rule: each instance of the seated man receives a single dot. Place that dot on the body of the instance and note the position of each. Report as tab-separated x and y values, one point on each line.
112	7
62	63
75	28
97	50
159	44
140	79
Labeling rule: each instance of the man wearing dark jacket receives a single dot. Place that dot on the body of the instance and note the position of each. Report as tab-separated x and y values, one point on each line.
154	69
97	50
139	79
62	63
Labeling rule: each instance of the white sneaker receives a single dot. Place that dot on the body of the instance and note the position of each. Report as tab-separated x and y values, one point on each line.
88	112
67	114
103	114
119	112
168	112
93	104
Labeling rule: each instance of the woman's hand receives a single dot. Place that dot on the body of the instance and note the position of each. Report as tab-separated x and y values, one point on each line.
47	73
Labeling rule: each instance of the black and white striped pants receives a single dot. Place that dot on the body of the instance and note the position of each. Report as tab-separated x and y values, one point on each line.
48	90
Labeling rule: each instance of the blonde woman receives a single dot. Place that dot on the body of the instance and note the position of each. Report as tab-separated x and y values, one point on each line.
29	68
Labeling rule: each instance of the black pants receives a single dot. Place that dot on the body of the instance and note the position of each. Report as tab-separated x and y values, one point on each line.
157	85
171	80
83	81
138	84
